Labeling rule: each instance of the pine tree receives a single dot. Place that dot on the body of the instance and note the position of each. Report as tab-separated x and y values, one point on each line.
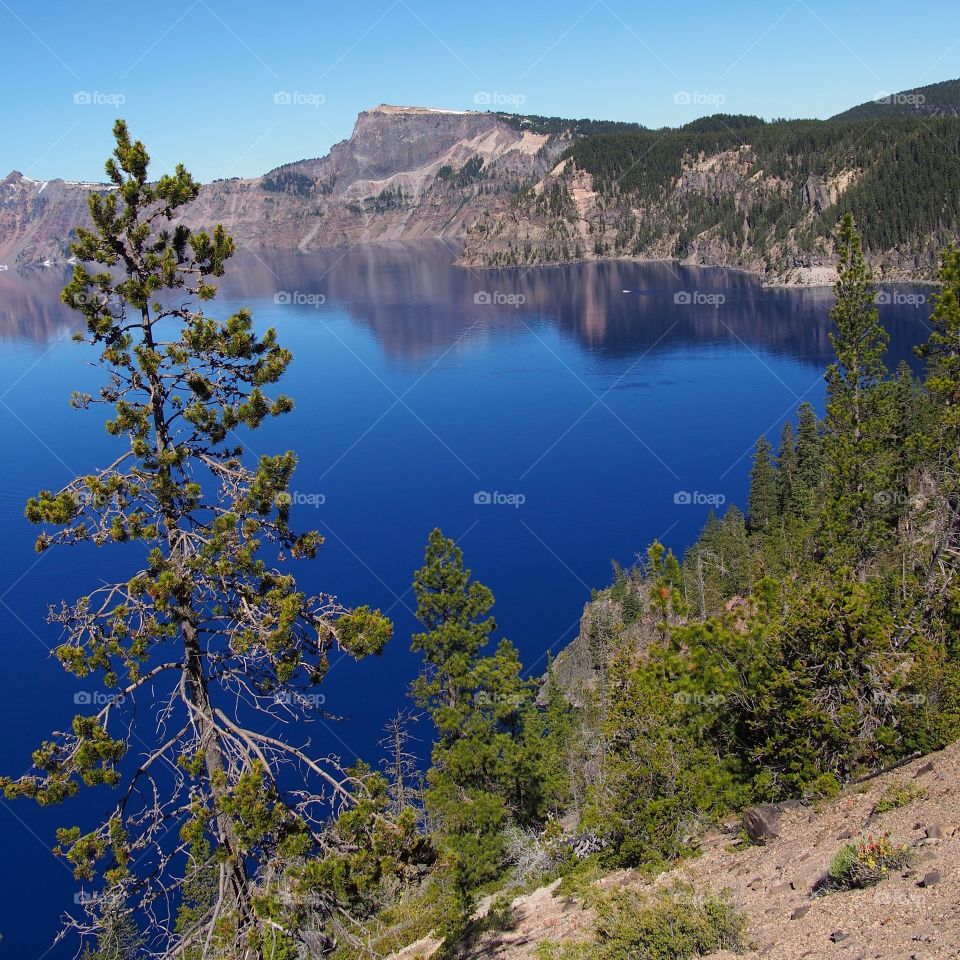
206	637
941	437
809	472
786	470
481	775
762	504
858	456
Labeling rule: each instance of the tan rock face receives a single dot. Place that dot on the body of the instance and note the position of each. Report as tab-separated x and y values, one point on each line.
384	183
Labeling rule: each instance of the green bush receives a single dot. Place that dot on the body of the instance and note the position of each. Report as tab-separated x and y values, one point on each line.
898	794
674	924
864	863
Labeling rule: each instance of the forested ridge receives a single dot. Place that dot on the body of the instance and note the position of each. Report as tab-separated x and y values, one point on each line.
736	190
908	191
803	641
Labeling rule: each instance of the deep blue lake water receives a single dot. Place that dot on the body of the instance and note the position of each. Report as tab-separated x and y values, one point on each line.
550	420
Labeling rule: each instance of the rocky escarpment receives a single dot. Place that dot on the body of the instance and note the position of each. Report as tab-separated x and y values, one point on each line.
405	173
765	199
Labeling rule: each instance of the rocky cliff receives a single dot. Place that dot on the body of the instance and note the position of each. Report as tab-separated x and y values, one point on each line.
405	173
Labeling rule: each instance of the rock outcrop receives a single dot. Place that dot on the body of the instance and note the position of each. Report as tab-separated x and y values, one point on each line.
405	173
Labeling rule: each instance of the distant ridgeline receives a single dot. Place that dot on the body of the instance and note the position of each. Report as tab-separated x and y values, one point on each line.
734	190
725	190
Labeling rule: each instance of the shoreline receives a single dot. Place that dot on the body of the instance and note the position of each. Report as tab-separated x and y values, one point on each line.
771	283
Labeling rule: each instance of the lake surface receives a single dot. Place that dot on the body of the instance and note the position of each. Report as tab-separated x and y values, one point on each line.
550	420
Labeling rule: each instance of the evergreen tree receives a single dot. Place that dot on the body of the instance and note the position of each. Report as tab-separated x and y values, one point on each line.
762	505
941	438
203	639
809	471
858	456
481	775
786	470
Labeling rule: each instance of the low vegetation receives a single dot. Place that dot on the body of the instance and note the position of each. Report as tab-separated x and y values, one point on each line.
672	924
864	863
898	794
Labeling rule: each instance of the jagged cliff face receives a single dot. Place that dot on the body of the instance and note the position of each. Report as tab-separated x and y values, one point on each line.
400	176
37	216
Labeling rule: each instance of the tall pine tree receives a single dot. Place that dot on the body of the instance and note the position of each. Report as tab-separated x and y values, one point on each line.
481	775
857	423
762	503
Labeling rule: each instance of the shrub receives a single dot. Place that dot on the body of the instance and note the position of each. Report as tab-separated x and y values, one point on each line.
864	863
673	924
898	794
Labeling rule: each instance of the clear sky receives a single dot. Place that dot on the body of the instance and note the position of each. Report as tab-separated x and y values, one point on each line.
236	88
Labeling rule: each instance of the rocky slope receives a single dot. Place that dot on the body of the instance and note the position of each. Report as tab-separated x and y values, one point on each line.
708	204
405	173
913	914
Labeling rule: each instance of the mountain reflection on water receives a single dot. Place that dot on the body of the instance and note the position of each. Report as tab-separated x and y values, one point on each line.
417	302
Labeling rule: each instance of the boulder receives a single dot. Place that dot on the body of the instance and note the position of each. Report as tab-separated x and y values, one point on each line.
761	824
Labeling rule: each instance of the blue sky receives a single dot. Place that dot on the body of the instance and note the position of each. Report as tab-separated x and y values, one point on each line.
200	80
